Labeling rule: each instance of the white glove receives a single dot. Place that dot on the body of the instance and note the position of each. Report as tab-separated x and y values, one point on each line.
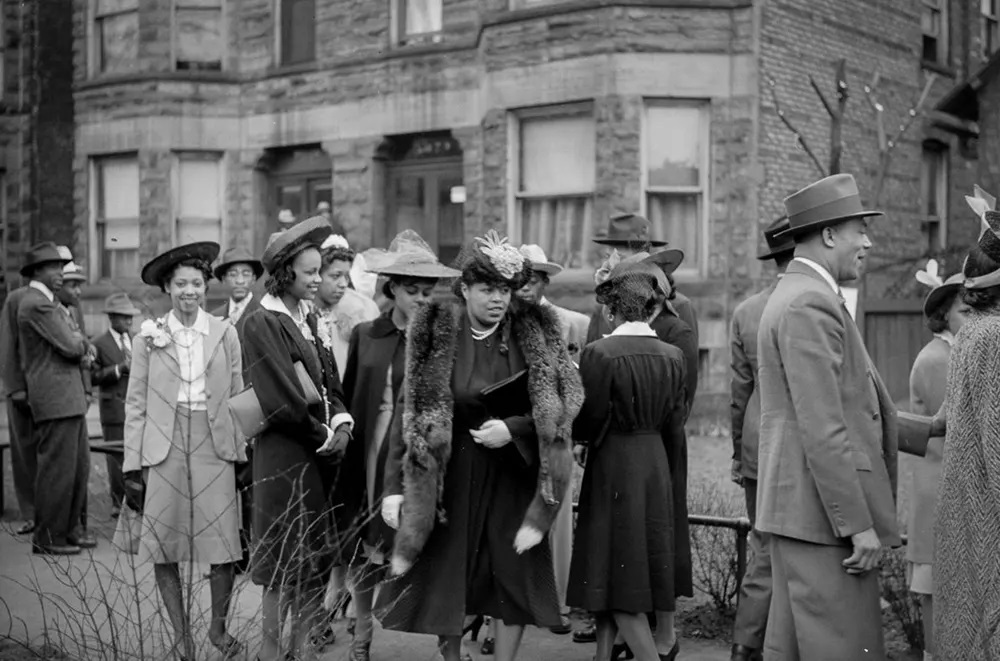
391	506
527	538
493	434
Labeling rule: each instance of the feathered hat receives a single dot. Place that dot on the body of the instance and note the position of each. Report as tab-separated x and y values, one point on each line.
984	205
491	258
941	290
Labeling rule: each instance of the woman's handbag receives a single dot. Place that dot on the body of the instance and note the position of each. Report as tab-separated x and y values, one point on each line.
248	413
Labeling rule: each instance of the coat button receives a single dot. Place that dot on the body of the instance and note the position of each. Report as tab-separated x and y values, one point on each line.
875	415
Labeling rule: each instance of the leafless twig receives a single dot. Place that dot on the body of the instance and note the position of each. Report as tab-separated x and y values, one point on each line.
791	127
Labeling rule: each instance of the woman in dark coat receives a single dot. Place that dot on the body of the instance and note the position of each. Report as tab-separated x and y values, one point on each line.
295	458
373	379
479	489
630	426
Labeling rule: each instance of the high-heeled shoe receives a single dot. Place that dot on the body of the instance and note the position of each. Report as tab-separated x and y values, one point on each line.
474	627
621	651
672	654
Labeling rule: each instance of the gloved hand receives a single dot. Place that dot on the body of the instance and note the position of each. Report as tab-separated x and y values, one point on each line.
493	434
735	473
336	441
391	507
135	490
20	401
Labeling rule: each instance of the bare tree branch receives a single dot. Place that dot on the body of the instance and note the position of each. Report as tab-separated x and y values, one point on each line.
791	127
822	97
837	118
878	109
885	153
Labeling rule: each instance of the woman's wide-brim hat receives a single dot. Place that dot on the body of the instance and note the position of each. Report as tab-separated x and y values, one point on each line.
46	252
156	270
942	293
628	229
408	256
539	261
829	201
238	256
120	303
631	266
282	245
777	245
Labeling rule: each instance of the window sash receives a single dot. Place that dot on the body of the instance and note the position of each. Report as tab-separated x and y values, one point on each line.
562	225
125	57
298	31
678	218
192	229
114	7
420	17
199	38
557	155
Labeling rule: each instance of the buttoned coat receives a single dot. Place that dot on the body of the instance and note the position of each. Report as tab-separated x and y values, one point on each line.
828	447
744	400
50	353
113	384
574	329
11	371
154	385
222	312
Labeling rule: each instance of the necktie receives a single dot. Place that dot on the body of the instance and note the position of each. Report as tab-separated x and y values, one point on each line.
126	349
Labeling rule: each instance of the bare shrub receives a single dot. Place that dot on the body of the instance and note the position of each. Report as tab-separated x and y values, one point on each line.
903	608
713	550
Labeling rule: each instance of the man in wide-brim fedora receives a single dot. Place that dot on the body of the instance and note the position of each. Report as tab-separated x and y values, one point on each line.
50	354
744	406
827	474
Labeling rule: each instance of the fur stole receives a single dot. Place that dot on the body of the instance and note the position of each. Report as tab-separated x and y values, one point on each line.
556	395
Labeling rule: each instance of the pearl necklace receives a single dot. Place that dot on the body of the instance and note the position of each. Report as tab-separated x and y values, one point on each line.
480	335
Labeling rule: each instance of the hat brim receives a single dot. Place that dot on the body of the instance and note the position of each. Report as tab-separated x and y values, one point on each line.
798	230
788	249
74	277
937	296
154	271
127	312
255	264
548	268
28	268
625	243
429	271
311	231
667	260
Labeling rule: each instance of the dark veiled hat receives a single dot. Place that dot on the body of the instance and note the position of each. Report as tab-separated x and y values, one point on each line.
311	231
156	270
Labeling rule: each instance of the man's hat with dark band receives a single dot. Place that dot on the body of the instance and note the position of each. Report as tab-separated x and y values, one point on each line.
829	201
154	272
238	256
628	229
46	252
777	245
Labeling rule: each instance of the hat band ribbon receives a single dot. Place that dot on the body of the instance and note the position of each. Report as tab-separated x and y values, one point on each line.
843	206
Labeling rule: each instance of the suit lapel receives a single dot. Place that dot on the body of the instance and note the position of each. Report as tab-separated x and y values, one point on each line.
215	333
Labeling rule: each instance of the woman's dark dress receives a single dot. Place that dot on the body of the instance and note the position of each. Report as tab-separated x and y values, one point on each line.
294	529
469	565
624	555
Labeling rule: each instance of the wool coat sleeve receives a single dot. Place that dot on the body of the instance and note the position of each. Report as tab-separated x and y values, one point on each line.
135	405
349	382
811	340
272	373
106	371
741	386
393	476
522	431
43	317
594	417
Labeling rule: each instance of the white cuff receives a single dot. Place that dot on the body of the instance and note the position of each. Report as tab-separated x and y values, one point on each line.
392	501
342	419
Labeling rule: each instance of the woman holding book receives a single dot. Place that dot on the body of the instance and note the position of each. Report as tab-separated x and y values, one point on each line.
473	489
297	456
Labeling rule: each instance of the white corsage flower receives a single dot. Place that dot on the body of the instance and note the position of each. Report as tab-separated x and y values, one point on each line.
156	332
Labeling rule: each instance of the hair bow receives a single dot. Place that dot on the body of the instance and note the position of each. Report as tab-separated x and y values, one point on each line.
930	276
981	202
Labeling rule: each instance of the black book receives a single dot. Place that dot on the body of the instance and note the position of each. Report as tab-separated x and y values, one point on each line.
507	398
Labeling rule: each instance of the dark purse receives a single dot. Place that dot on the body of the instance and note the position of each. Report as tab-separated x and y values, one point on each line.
135	490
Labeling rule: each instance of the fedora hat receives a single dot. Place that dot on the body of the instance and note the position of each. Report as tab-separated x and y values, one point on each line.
628	229
120	303
777	245
73	272
156	269
829	201
539	262
238	256
311	231
46	252
939	294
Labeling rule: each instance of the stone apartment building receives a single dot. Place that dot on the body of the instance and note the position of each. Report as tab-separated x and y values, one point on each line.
203	119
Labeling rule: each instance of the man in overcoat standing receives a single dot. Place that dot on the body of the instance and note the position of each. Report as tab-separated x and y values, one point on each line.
51	354
22	440
744	405
827	441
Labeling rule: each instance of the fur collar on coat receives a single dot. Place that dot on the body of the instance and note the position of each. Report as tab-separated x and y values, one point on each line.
556	395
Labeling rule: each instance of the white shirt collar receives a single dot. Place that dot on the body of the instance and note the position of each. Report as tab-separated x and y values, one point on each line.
640	328
275	304
236	305
822	272
946	336
118	337
544	301
200	323
44	289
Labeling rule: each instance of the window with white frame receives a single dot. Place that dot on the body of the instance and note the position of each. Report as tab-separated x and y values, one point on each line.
116	216
934	193
675	173
991	32
555	182
199	37
198	197
934	25
116	36
418	20
297	35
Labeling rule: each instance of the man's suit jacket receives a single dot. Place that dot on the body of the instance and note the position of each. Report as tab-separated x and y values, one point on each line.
11	371
574	329
744	401
222	312
828	426
50	353
154	384
113	383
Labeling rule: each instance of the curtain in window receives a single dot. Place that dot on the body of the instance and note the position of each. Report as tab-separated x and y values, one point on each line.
423	16
118	222
560	225
119	42
199	37
676	217
199	202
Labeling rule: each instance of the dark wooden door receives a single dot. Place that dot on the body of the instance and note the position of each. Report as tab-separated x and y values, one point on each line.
895	333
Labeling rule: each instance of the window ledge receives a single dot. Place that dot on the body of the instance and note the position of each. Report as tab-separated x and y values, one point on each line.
428	47
514	14
937	67
105	80
292	69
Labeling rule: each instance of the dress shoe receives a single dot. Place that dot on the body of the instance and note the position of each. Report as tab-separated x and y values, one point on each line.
744	653
672	654
84	540
586	635
562	628
27	528
55	549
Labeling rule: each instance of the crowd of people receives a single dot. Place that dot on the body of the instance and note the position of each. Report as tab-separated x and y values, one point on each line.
415	451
